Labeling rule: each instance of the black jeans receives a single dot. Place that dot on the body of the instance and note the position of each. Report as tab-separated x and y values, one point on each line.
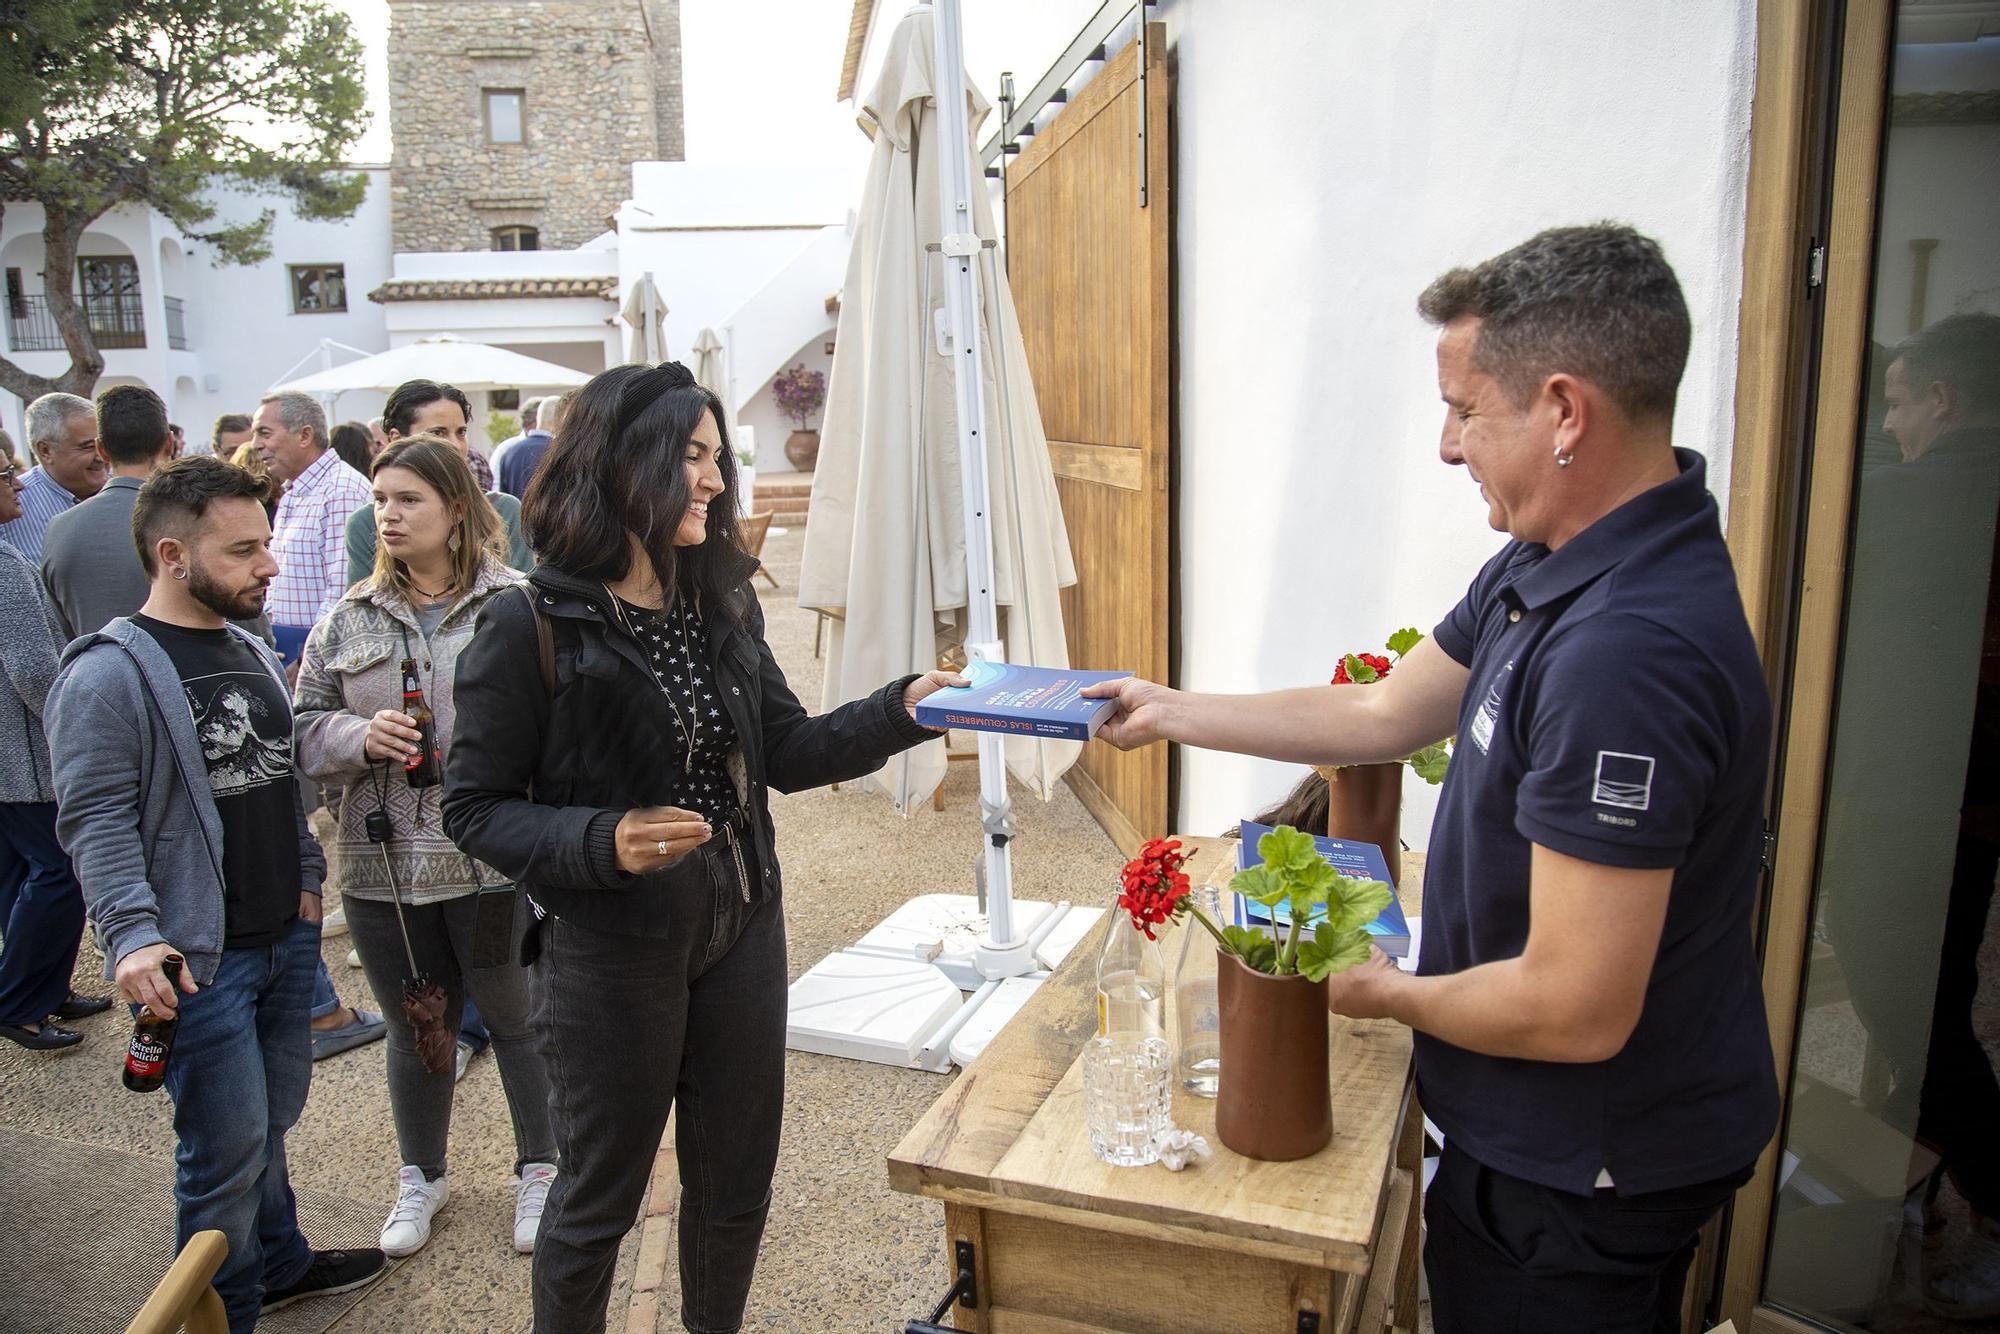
1505	1255
634	1026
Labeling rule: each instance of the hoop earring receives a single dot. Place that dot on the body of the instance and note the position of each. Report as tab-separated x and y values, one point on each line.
1562	459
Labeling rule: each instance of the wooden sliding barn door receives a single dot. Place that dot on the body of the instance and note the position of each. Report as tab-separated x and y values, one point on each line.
1089	267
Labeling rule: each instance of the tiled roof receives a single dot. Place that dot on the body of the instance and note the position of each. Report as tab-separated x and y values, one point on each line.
492	289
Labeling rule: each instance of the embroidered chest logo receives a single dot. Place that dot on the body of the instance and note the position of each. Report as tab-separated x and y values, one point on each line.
1623	780
1488	714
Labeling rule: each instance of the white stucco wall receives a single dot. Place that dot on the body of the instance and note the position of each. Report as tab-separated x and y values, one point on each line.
242	334
1329	161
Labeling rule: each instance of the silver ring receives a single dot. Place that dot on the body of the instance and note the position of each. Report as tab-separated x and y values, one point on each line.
662	846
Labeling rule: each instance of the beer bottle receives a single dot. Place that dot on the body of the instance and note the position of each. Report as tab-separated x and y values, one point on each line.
426	767
153	1038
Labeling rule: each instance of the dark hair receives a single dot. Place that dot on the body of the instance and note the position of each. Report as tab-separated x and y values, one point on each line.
1598	302
399	414
131	424
1304	808
229	423
617	465
177	497
1963	351
352	441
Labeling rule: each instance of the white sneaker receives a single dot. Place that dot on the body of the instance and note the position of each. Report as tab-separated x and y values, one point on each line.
461	1060
333	924
354	958
409	1224
531	1196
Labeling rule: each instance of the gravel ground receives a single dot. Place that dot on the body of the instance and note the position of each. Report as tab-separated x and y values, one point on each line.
842	1252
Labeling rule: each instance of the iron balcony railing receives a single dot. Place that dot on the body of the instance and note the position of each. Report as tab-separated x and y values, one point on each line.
115	321
177	331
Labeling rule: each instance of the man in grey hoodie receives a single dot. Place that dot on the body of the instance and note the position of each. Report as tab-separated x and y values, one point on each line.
171	732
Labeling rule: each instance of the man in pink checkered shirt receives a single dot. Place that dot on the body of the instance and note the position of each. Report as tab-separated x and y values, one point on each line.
310	531
310	545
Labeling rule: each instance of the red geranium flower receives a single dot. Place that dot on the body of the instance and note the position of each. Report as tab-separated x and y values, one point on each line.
1379	664
1153	884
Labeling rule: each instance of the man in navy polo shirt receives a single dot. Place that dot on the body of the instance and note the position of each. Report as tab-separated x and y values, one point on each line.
1590	1031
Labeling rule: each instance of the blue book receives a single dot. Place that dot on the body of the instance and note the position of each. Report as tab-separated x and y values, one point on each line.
1020	701
1358	861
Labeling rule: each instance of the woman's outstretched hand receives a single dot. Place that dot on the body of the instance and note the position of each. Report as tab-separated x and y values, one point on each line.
655	836
927	684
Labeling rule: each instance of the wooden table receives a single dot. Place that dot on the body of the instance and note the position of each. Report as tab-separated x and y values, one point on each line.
1065	1244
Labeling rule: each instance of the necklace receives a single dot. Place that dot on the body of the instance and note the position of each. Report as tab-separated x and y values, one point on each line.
427	593
688	734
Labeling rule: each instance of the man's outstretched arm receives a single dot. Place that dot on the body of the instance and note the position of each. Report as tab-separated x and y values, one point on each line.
1414	706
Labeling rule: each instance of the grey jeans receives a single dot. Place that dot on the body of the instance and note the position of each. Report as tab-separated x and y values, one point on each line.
441	935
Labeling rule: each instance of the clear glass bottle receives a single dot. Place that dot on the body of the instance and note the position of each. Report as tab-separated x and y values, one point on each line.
1131	982
1197	1012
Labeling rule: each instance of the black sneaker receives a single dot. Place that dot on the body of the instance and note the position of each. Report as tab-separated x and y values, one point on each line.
329	1272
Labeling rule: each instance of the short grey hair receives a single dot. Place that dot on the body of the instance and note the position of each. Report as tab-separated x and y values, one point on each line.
298	412
1599	302
49	415
546	411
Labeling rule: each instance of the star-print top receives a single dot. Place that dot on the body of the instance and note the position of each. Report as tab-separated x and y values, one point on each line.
672	640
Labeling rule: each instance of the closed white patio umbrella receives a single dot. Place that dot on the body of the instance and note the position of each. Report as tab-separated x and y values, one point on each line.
645	316
707	367
446	358
886	545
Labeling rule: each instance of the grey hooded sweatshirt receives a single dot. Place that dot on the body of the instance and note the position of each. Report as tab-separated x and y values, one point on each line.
133	805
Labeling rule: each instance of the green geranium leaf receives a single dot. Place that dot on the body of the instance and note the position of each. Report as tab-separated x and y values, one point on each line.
1404	640
1332	951
1357	903
1431	763
1260	884
1359	672
1286	847
1253	947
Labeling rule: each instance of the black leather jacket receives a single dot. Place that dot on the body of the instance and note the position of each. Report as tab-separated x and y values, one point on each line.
605	742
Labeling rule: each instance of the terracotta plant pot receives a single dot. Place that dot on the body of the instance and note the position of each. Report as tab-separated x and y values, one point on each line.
1274	1102
1365	804
802	448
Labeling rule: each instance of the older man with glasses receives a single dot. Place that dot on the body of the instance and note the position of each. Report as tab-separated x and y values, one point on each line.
62	432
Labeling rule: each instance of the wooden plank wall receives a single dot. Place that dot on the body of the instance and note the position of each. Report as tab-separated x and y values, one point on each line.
1089	270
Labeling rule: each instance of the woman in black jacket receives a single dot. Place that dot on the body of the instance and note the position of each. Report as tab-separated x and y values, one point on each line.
625	790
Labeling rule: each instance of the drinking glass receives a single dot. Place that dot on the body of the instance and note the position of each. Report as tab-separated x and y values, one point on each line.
1128	1096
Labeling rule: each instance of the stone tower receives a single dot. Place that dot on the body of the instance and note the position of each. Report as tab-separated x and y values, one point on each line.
515	122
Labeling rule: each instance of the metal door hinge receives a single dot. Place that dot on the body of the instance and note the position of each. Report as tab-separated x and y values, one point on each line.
1815	267
1770	853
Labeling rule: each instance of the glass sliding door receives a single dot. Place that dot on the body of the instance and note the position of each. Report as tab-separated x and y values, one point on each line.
1885	1197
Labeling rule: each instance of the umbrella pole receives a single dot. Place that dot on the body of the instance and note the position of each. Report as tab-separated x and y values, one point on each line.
1002	951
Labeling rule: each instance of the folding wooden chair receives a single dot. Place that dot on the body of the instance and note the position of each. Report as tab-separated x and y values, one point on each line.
184	1299
755	528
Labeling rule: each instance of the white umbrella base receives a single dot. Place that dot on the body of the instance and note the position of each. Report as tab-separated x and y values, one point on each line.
894	997
869	1007
945	929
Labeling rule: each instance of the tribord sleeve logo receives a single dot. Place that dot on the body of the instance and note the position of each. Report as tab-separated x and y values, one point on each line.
1623	780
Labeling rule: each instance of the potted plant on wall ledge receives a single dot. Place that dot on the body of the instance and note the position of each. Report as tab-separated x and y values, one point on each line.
1365	801
801	394
1274	1100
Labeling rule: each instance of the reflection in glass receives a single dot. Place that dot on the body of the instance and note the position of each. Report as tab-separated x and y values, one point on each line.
1888	1214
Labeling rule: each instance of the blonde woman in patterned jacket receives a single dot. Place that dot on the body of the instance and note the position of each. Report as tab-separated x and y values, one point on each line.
439	559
